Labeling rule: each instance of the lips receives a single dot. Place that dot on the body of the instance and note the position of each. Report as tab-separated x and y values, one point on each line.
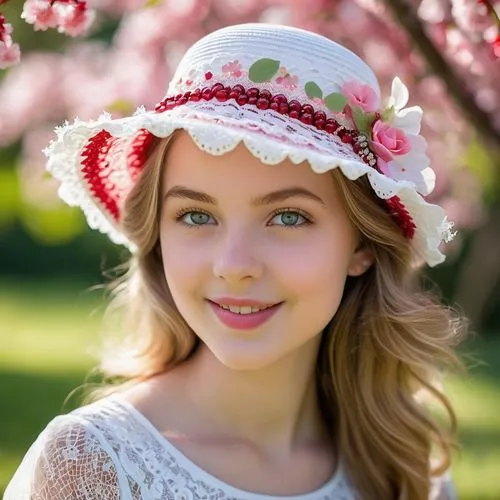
242	317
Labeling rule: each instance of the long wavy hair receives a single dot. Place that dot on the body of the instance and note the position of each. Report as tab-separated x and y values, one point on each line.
383	352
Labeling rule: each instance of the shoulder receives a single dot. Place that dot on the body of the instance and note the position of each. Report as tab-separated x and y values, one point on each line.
73	457
443	488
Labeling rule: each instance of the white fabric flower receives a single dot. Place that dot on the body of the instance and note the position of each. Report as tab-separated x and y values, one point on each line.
407	119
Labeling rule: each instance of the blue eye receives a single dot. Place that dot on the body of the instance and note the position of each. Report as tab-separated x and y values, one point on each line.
194	218
290	218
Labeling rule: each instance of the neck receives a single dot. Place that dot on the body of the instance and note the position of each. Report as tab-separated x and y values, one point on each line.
275	407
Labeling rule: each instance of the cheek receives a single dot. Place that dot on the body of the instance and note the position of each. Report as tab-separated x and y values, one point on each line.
316	268
183	265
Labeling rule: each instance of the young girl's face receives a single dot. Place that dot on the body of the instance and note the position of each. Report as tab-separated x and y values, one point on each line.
233	229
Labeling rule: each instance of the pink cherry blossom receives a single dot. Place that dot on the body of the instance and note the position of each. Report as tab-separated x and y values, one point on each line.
74	20
232	68
41	14
471	16
10	52
388	141
71	17
361	95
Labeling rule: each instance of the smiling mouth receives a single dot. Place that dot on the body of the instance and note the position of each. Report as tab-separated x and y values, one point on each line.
245	308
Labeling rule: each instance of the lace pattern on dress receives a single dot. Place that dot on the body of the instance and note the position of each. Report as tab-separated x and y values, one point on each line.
154	470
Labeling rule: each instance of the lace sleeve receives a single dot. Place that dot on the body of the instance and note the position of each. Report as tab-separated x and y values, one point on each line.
69	460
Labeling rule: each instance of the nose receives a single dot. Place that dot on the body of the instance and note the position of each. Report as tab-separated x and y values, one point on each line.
237	257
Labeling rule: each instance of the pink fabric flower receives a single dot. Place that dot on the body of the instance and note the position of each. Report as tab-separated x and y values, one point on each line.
361	95
388	141
288	81
232	68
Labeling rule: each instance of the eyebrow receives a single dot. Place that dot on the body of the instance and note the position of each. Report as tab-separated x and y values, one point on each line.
267	199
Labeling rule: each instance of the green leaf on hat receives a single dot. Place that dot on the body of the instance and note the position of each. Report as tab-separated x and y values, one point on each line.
263	70
335	102
313	90
388	114
362	120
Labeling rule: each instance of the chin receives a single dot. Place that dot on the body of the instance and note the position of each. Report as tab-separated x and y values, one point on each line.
243	358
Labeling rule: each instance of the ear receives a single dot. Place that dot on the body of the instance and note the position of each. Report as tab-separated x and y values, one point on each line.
362	259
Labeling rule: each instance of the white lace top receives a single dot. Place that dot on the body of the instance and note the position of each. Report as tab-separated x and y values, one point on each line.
109	450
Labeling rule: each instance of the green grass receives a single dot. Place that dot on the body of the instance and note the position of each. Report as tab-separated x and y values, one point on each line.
46	333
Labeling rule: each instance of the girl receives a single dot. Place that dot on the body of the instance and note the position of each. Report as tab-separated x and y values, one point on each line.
277	340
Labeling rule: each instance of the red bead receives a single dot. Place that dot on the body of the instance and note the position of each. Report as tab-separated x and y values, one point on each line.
265	94
279	98
221	95
283	108
208	75
195	96
187	94
233	94
262	103
252	92
294	114
206	93
356	147
341	132
307	108
320	115
274	106
306	118
242	99
216	87
160	107
239	88
253	100
178	96
320	124
182	100
347	138
295	106
331	126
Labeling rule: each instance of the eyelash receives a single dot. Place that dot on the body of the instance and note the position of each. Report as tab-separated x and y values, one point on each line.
307	220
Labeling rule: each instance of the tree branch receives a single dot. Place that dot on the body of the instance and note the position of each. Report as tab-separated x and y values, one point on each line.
404	13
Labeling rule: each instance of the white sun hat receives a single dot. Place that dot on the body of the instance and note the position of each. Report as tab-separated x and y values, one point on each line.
285	93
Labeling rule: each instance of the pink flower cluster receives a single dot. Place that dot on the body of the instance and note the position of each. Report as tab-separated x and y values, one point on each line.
10	53
71	17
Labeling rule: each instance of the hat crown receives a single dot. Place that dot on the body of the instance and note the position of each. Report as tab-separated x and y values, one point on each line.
301	56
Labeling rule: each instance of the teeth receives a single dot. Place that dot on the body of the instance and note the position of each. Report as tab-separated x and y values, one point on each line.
243	309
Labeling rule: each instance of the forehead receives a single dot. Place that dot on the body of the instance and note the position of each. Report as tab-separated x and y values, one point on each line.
237	172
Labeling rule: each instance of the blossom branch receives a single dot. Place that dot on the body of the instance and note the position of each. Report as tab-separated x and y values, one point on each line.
404	13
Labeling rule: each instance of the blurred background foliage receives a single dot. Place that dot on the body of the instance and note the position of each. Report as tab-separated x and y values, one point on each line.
48	256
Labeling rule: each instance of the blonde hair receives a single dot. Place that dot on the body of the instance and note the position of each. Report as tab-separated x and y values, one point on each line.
385	347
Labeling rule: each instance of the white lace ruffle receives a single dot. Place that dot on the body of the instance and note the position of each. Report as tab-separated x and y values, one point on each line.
218	128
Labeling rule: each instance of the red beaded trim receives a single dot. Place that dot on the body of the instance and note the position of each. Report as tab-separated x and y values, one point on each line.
401	215
139	150
263	99
95	160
